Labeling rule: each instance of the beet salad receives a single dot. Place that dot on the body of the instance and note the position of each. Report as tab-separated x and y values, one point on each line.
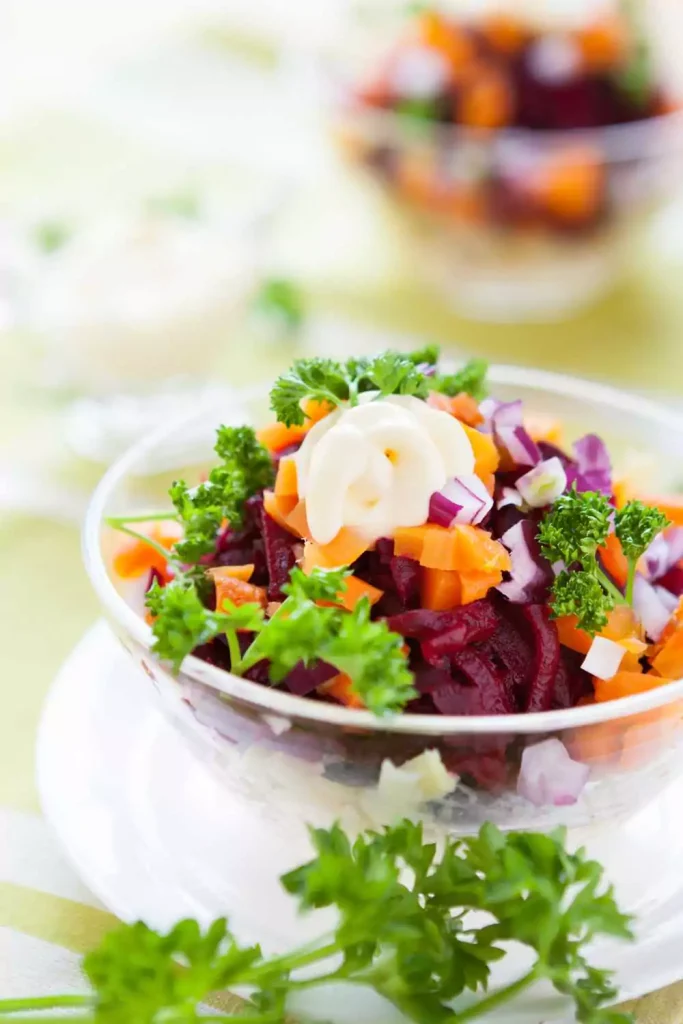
398	540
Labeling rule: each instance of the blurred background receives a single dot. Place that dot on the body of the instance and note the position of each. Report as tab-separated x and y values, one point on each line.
194	192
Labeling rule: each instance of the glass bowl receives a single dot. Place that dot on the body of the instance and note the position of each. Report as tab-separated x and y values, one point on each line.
314	762
511	223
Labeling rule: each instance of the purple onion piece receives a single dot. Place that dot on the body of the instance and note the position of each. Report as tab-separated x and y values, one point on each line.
649	607
530	573
549	777
665	551
593	469
519	445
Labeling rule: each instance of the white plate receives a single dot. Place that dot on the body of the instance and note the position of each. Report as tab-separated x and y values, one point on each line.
153	833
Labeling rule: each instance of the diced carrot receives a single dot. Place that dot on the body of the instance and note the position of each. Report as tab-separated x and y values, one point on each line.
341	688
235	572
570	183
543	428
614	560
346	547
621	623
485	99
285	481
571	636
276	436
297	521
315	410
440	589
409	540
486	457
605	43
135	558
235	590
669	661
626	684
596	744
440	549
623	492
476	551
466	409
449	39
279	509
671	505
475	585
504	32
355	590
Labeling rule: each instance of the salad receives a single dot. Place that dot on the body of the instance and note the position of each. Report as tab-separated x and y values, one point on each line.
398	540
519	73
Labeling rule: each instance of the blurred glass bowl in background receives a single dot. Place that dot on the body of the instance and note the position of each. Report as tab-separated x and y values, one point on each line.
523	145
312	762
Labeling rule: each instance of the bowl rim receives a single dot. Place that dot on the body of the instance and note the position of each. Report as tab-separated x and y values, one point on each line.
279	702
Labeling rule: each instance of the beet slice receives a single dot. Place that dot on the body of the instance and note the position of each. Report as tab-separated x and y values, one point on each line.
428	679
455	698
512	647
483	673
303	679
546	657
280	556
405	573
385	550
472	622
571	682
488	771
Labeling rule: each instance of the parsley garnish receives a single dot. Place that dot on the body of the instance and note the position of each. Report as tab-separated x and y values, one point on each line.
301	630
402	929
576	526
327	380
280	299
471	379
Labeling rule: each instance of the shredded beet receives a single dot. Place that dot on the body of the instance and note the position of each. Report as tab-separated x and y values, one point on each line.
546	657
405	573
571	682
472	624
673	581
489	680
303	680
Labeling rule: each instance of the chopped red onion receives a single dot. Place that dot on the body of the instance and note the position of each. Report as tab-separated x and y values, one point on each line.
419	72
549	776
665	551
464	499
604	658
510	496
530	573
593	469
500	414
543	484
519	445
649	607
669	600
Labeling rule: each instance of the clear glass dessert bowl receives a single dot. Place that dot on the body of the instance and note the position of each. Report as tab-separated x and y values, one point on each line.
308	761
507	222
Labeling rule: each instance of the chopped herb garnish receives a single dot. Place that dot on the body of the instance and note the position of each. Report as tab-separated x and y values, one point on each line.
470	379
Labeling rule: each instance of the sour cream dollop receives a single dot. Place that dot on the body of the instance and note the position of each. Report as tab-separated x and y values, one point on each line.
374	466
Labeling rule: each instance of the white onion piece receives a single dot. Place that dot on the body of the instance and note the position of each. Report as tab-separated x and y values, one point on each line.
510	496
649	607
665	551
549	776
604	658
543	484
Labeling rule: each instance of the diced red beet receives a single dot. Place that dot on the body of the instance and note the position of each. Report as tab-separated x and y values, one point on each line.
428	678
405	573
483	673
303	679
214	653
673	581
551	451
385	549
280	556
546	657
489	771
259	673
513	649
455	698
503	519
423	705
472	622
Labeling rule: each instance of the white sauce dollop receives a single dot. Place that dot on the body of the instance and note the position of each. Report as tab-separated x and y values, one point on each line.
374	466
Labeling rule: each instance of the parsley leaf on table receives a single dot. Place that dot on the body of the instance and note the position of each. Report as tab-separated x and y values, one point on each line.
403	929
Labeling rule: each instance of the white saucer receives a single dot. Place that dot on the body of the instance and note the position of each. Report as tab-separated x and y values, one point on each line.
154	835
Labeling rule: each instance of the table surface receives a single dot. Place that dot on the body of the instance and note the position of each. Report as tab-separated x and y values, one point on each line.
357	290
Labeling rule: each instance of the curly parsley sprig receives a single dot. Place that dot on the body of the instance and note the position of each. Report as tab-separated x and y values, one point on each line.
301	631
403	931
391	373
573	531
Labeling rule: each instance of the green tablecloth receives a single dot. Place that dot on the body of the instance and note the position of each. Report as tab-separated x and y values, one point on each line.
634	337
